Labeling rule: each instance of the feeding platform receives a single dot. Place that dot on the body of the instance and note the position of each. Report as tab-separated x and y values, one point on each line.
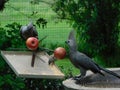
20	62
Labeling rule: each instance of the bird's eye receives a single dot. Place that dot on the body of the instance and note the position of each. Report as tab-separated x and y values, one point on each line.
68	41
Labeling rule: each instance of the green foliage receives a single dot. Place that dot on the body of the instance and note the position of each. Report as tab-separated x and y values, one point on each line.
10	82
13	35
2	4
96	23
9	38
34	1
3	40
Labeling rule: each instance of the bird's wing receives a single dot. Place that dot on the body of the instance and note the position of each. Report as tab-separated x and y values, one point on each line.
86	62
32	30
35	31
22	31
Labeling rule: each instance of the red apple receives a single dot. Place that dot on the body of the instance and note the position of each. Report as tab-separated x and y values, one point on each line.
32	43
60	53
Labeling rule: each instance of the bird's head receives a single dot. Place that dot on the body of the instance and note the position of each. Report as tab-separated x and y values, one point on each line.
71	42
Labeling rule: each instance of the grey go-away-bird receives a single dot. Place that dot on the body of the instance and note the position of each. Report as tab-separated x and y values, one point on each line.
28	31
82	61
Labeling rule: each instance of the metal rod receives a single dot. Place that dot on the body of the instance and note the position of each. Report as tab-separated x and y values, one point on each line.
33	58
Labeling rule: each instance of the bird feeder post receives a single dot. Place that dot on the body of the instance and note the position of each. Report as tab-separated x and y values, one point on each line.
33	59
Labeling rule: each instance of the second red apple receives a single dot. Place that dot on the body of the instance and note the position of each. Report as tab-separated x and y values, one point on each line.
60	53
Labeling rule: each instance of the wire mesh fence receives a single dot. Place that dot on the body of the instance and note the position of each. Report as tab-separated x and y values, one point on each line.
23	12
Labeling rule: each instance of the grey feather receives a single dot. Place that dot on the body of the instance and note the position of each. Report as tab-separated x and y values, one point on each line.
28	31
82	61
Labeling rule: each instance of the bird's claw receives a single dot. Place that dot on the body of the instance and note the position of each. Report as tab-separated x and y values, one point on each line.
79	80
76	77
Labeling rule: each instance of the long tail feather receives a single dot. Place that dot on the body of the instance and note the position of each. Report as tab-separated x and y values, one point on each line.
110	72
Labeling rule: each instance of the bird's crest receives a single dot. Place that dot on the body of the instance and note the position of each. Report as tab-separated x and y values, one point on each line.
72	38
72	35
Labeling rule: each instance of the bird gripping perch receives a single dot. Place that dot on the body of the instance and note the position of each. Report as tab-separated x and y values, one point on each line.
82	61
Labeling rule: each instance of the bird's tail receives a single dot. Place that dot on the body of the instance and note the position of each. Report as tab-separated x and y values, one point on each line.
110	72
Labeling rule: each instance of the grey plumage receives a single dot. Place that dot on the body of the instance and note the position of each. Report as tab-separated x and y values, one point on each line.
82	61
28	31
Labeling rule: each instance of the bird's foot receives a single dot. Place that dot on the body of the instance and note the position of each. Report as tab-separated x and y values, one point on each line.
76	77
79	80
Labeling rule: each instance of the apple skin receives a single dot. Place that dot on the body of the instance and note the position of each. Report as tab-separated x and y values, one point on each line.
32	43
60	53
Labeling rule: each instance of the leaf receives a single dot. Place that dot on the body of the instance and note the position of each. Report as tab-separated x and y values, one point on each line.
1	81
